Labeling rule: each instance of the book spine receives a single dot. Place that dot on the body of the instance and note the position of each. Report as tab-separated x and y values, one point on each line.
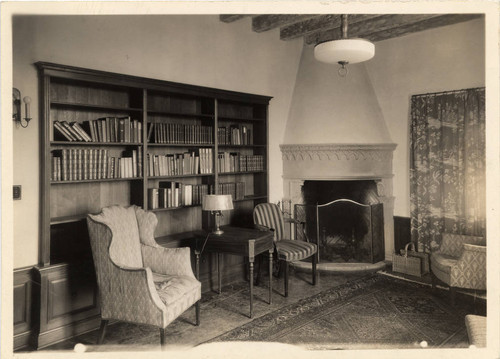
63	131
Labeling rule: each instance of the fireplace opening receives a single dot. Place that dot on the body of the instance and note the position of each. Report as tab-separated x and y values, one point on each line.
345	219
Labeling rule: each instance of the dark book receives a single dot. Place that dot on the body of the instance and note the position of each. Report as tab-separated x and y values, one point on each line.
61	133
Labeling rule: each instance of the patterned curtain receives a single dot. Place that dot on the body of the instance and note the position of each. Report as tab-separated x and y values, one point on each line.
447	166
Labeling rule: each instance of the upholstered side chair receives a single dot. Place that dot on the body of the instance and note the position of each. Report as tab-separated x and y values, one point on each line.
460	262
139	281
269	216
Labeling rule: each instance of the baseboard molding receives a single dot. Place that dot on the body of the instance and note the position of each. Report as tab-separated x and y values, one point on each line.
23	341
68	331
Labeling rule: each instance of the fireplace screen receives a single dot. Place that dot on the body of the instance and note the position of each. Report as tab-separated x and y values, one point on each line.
344	230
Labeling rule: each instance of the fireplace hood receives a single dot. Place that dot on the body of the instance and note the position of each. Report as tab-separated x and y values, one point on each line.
326	108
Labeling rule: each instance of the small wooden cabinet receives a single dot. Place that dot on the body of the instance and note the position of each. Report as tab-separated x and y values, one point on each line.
144	141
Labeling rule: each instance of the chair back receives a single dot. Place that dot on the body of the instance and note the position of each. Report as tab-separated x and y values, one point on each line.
125	246
269	215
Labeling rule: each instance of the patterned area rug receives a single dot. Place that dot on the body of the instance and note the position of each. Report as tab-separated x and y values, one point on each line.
373	312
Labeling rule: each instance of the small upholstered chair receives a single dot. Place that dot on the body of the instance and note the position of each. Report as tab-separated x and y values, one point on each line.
139	281
460	262
476	330
269	216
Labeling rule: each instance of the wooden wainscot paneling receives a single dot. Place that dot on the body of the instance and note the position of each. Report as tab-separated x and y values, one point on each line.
68	302
23	302
402	232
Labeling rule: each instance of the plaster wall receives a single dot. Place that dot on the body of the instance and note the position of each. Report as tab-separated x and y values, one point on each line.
196	49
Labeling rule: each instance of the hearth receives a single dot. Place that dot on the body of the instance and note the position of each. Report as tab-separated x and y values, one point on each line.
358	172
345	219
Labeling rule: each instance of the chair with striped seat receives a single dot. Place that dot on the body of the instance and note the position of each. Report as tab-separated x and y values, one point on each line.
269	215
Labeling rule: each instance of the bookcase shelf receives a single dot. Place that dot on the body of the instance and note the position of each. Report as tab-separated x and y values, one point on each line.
240	173
184	145
98	180
199	175
242	146
108	106
241	119
100	144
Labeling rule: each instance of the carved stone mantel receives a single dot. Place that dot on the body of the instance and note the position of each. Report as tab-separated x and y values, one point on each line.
330	151
319	162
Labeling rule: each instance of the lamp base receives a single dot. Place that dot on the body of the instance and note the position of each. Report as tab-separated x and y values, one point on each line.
218	232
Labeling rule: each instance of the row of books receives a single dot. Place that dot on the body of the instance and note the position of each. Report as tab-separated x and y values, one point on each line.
235	162
234	135
176	194
106	129
173	133
75	164
198	161
235	189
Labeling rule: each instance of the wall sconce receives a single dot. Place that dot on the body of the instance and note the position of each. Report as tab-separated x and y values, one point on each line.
16	111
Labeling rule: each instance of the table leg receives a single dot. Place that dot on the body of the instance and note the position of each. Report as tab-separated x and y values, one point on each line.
270	275
251	259
219	276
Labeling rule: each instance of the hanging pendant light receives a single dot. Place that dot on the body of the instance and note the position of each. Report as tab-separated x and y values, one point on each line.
344	51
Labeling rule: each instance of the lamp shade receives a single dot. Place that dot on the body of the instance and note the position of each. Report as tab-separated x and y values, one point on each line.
344	50
217	202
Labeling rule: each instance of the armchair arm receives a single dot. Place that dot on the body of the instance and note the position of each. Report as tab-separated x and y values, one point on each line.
172	261
130	288
470	269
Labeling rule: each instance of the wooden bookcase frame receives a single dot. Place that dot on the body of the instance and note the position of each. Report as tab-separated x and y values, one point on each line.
142	89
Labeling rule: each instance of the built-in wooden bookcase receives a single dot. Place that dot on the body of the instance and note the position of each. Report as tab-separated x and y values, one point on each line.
139	135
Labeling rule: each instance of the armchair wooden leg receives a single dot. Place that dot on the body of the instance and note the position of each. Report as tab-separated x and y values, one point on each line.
162	336
102	331
286	279
197	308
314	273
453	293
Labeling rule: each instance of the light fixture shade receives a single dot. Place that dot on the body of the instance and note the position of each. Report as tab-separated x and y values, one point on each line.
345	50
217	202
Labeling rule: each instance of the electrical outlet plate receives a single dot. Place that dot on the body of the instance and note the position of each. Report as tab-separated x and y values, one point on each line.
17	192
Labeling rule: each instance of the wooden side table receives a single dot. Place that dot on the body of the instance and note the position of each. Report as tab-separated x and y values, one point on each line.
239	241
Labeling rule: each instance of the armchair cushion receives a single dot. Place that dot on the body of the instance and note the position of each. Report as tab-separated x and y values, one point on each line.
125	249
172	288
452	244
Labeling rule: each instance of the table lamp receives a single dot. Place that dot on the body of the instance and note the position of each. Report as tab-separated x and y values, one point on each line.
216	203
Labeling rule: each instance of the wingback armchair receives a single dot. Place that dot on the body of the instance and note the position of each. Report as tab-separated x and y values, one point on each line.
269	216
139	281
460	262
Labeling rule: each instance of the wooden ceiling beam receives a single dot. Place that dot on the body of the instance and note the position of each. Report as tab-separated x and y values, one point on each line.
430	23
389	26
230	18
261	23
319	23
368	26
